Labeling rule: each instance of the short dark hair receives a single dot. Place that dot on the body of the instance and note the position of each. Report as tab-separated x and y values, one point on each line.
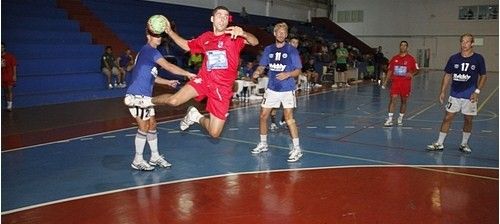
220	7
108	47
403	41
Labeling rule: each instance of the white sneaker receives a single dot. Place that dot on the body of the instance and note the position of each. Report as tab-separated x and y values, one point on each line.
295	154
143	165
435	147
139	101
192	116
273	127
347	85
465	148
283	123
388	122
317	85
335	86
261	147
159	161
110	86
400	121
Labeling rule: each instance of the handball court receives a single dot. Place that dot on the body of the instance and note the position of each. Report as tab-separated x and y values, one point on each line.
70	163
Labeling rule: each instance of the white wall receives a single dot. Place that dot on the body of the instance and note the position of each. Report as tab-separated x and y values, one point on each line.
424	24
288	9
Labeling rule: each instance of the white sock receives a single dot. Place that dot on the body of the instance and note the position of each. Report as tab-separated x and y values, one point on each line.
465	137
140	142
152	138
441	138
401	115
295	142
263	139
390	116
9	104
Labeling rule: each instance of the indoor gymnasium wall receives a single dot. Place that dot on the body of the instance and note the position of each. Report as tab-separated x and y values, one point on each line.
425	24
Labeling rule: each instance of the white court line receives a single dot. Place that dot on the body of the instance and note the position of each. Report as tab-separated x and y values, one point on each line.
109	136
234	129
423	110
487	99
86	139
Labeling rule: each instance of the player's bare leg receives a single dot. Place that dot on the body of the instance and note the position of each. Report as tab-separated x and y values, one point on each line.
183	95
213	125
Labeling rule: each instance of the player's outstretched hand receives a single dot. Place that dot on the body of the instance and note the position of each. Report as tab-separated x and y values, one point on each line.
235	31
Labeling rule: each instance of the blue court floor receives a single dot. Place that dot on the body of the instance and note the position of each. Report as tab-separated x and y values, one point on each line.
337	128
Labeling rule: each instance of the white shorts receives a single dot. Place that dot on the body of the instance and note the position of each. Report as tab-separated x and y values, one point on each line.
273	99
143	113
458	104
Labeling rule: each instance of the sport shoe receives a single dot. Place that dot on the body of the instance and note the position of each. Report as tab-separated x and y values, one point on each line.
192	116
261	147
273	127
435	147
388	122
159	161
347	85
110	86
335	86
138	101
295	154
465	148
143	165
400	121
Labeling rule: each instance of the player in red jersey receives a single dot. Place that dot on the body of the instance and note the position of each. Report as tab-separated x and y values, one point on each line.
402	68
9	75
221	48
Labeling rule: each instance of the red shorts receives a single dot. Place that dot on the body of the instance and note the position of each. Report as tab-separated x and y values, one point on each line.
218	97
8	83
401	87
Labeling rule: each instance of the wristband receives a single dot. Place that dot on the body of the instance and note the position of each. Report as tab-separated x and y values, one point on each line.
477	91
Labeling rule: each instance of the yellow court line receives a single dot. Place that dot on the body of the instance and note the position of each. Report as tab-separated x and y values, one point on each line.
486	100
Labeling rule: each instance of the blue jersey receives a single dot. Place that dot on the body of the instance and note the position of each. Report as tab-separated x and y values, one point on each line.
142	78
465	74
284	59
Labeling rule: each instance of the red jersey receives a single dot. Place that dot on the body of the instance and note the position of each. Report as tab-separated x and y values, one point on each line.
8	64
401	66
221	57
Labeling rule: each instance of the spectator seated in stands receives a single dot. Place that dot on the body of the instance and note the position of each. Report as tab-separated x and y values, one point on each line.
311	73
109	67
245	75
126	62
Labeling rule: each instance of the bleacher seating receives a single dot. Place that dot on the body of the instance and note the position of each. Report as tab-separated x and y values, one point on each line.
57	63
127	18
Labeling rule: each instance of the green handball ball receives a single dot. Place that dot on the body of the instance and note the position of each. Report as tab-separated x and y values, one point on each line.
157	24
